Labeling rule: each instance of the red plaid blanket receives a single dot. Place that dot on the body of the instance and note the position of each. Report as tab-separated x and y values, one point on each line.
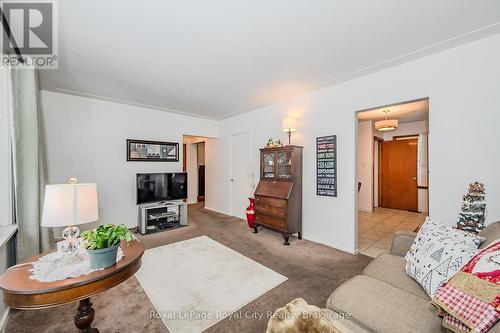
471	299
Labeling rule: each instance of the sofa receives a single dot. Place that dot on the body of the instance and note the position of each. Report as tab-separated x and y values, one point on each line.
385	299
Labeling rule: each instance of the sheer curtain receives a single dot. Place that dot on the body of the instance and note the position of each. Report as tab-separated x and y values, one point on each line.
28	161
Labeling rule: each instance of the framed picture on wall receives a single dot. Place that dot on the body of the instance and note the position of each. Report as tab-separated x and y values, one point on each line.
326	166
152	151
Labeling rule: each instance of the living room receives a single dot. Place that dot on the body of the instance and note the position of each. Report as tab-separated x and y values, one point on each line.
274	90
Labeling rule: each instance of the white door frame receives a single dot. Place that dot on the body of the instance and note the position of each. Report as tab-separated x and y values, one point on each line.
247	132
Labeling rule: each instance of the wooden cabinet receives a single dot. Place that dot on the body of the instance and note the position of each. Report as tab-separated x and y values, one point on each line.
278	196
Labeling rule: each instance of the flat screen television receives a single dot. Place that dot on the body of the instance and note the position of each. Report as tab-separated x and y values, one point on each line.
155	187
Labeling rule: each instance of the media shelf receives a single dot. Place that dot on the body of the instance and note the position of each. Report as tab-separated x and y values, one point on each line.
162	216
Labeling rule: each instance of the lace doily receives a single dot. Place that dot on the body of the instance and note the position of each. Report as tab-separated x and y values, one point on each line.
57	266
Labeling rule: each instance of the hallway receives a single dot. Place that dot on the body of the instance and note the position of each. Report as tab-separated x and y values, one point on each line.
375	229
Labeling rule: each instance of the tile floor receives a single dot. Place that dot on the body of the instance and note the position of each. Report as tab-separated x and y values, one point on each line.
375	229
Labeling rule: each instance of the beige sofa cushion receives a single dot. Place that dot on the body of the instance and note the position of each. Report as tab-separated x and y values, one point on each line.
380	307
491	232
391	269
350	325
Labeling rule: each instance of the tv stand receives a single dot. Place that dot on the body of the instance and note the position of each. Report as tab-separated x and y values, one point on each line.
162	216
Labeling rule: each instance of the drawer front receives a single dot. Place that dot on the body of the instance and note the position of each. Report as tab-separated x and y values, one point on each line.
277	212
273	202
271	221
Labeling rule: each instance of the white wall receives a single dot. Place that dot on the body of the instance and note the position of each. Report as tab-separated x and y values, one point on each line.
462	84
215	177
414	127
365	165
86	139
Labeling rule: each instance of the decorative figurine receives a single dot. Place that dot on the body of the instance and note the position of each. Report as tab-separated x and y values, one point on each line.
273	144
473	210
270	143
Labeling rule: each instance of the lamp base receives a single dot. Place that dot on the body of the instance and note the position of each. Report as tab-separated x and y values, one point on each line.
72	244
70	232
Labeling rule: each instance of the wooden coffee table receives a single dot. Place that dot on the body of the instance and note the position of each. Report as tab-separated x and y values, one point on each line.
20	292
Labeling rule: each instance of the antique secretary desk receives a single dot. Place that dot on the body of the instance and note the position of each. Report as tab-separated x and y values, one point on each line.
278	196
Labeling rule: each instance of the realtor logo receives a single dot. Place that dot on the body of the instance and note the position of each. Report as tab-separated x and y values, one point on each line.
33	33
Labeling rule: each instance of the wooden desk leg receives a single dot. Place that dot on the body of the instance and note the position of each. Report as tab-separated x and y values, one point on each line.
84	316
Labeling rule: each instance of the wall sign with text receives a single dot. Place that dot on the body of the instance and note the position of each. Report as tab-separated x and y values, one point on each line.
326	166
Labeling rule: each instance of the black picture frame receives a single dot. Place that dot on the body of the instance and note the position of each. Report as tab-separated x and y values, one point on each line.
326	166
152	151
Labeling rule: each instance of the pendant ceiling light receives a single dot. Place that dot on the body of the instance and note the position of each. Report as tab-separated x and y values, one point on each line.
386	124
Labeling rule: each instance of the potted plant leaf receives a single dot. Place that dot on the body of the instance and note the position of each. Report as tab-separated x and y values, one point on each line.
102	244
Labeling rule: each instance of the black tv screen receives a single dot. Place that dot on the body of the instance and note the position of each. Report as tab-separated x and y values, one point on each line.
155	187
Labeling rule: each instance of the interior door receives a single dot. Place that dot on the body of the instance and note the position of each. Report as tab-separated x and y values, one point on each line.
399	175
240	175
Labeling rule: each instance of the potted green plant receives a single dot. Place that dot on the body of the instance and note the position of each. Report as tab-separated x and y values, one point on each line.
102	244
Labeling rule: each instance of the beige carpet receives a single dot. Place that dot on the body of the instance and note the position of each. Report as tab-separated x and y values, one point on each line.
195	283
313	272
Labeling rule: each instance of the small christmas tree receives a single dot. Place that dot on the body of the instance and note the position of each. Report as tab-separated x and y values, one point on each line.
473	210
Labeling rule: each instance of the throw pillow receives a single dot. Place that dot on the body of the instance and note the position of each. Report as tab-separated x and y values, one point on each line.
438	253
470	301
448	233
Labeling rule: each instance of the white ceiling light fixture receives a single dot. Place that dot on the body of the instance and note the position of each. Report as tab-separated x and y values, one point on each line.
386	124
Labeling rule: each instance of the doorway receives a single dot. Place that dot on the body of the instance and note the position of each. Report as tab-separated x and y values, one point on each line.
194	163
240	174
398	174
391	172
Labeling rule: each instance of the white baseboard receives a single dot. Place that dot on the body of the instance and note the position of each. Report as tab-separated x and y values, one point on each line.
217	211
343	250
3	320
329	245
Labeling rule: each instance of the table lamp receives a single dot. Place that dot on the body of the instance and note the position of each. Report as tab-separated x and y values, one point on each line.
68	205
289	126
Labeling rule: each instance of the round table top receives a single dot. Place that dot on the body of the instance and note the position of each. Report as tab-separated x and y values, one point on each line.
24	293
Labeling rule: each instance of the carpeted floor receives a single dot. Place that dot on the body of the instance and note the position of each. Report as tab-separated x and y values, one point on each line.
313	272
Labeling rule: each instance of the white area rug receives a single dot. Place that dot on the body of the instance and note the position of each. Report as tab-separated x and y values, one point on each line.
195	283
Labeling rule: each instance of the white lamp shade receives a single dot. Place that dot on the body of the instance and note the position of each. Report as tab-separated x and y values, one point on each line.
69	204
289	124
386	125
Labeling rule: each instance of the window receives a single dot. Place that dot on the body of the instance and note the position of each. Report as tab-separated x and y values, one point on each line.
6	195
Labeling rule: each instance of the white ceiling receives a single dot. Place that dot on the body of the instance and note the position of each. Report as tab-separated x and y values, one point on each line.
404	113
221	57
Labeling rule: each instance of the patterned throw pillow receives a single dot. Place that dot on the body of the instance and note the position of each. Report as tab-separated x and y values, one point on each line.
470	301
438	253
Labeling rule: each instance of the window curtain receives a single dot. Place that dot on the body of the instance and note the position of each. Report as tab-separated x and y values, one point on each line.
28	159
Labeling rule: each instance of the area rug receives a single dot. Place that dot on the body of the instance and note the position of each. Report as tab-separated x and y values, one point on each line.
194	284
